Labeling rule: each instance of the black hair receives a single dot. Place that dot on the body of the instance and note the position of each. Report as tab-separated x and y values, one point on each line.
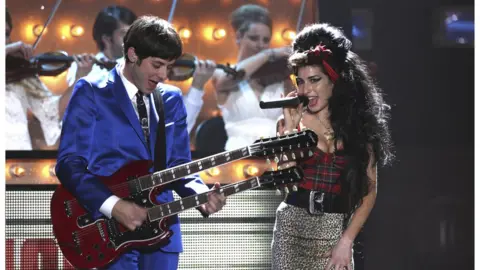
152	36
8	18
107	21
358	113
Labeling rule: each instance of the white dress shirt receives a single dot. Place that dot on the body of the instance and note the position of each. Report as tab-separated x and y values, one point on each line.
132	90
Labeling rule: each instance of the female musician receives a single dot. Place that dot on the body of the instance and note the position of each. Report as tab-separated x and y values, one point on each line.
245	122
32	95
316	225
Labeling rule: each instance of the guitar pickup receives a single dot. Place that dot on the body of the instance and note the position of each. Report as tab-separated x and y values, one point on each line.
76	242
68	208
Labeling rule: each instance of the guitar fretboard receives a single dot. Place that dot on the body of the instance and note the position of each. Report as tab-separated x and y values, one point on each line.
186	203
169	175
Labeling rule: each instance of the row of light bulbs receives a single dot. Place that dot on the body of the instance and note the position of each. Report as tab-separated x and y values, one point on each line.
220	33
18	171
184	32
75	30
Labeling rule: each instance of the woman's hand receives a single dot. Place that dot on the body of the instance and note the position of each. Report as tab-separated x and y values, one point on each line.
278	53
340	255
292	116
282	52
85	63
19	49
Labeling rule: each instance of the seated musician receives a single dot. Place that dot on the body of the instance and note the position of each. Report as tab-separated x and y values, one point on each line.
102	132
109	29
31	95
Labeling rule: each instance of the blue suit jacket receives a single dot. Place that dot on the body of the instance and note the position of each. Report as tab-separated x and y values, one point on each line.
101	133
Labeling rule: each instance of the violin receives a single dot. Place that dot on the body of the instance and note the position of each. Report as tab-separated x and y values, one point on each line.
184	68
46	64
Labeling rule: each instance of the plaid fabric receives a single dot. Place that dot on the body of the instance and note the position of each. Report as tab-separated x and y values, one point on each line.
322	171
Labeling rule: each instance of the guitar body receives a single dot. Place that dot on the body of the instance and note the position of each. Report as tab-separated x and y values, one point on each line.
93	243
89	243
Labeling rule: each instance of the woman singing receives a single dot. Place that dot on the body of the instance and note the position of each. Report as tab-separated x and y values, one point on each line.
316	225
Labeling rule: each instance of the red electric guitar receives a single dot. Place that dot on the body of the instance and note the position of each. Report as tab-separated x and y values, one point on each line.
91	243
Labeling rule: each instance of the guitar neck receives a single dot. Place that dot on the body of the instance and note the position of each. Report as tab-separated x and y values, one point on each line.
193	201
169	175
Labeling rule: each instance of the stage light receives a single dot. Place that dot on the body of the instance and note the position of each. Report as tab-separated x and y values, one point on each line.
213	172
17	171
184	33
37	30
219	33
288	34
250	170
76	31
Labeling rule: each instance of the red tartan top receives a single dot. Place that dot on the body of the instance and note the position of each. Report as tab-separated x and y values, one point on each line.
322	172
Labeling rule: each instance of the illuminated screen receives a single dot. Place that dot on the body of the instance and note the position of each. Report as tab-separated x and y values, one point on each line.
454	27
238	237
362	20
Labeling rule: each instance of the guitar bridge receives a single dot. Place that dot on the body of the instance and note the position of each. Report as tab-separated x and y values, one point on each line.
101	231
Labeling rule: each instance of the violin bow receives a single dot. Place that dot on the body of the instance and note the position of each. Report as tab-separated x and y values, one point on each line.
300	15
172	11
50	17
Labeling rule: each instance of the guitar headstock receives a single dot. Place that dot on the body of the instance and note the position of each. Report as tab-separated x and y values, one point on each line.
272	146
281	177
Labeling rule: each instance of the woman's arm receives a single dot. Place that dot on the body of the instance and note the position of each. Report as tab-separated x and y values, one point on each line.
342	252
360	215
225	83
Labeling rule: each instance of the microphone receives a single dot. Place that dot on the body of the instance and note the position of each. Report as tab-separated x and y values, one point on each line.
284	102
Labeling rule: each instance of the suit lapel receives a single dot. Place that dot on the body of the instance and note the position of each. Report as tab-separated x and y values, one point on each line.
125	103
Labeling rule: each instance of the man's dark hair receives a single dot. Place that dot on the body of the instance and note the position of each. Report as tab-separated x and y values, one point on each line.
151	36
107	22
8	18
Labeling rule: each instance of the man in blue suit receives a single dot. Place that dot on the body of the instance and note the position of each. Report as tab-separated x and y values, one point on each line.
102	132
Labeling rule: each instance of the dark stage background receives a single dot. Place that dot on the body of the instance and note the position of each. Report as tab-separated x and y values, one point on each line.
423	218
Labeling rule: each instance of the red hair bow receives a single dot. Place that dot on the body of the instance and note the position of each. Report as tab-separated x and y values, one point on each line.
322	51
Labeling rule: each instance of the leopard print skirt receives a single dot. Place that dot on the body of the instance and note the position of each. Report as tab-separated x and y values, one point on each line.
300	239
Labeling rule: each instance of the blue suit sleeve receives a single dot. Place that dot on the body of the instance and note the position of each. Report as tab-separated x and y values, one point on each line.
74	150
180	148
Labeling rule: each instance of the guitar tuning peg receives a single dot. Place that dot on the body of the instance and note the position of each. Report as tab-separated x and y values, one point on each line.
310	153
301	154
278	192
286	189
294	188
285	158
268	161
276	159
293	155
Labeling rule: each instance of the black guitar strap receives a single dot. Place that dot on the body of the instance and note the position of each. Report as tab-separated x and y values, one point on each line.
160	154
